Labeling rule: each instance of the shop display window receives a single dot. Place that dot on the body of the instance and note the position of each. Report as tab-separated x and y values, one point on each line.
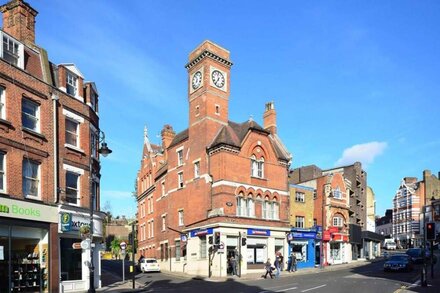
299	248
23	259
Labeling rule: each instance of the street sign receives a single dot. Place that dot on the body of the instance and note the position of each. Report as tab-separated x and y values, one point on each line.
76	245
85	244
221	247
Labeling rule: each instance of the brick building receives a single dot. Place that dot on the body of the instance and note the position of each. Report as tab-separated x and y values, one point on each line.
49	136
217	179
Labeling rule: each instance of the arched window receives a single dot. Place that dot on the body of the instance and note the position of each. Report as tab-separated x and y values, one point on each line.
338	221
276	210
241	205
250	207
257	167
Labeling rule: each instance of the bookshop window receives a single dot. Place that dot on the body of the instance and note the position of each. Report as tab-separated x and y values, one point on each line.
29	257
71	266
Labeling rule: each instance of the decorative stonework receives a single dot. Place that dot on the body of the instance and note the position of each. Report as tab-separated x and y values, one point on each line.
208	54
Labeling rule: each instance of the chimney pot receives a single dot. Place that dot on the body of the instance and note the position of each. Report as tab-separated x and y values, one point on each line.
19	20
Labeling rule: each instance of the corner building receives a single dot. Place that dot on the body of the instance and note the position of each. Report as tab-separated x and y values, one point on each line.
49	130
216	180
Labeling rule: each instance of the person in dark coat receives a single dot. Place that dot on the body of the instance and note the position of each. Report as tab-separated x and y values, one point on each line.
268	267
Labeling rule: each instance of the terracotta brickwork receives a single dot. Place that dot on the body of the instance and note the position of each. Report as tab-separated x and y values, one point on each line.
213	157
30	79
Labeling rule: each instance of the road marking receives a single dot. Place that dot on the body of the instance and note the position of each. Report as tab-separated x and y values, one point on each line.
287	289
314	288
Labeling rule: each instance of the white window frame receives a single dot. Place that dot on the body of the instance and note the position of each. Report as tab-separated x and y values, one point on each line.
94	142
179	157
275	210
181	219
2	103
76	133
19	53
250	207
72	81
180	183
149	229
36	117
300	196
162	184
152	228
299	221
337	193
78	196
203	244
338	221
164	223
257	167
196	169
3	171
37	179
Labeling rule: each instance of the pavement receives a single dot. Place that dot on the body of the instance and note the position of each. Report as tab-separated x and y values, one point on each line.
119	286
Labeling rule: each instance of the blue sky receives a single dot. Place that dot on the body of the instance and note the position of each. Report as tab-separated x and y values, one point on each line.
351	80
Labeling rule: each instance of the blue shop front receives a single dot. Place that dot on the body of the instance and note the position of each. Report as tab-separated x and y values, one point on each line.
304	244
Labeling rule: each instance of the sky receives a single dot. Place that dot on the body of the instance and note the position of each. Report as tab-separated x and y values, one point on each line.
351	80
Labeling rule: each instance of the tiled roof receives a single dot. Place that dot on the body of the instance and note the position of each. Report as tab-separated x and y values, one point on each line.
181	136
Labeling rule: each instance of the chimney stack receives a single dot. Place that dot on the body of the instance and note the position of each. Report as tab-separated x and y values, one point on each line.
168	135
270	118
19	20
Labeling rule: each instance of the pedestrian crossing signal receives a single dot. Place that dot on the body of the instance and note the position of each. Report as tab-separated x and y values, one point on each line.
430	231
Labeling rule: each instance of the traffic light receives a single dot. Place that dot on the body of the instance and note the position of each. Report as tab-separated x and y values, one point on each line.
243	241
430	231
217	238
210	240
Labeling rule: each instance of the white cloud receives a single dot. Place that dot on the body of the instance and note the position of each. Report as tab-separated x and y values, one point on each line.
364	153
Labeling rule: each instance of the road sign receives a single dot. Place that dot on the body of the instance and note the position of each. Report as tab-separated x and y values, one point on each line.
85	244
123	245
221	247
76	245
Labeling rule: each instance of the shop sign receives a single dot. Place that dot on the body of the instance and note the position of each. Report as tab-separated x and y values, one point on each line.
307	235
78	221
201	232
258	232
326	236
66	222
183	238
27	210
333	229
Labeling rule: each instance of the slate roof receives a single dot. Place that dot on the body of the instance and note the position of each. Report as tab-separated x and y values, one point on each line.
181	136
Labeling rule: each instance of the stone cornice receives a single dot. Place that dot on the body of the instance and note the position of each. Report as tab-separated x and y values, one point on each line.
207	54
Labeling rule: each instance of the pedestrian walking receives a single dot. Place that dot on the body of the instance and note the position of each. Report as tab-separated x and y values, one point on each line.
268	267
233	265
277	267
281	262
293	267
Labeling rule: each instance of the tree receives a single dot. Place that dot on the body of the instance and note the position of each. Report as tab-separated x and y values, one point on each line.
114	245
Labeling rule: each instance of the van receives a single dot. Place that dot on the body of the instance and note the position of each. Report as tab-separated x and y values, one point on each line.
389	244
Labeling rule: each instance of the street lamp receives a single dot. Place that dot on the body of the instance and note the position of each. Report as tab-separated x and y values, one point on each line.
104	151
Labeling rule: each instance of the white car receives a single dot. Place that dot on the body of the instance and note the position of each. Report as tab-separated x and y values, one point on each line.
149	265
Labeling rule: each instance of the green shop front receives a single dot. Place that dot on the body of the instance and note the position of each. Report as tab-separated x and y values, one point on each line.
27	260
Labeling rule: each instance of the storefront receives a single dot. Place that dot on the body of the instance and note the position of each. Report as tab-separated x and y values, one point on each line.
25	252
74	262
302	245
338	249
257	248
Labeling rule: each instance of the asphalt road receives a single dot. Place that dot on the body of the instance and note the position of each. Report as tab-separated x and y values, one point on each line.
368	278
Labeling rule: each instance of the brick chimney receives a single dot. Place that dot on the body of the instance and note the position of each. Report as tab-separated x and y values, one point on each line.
270	118
19	20
168	135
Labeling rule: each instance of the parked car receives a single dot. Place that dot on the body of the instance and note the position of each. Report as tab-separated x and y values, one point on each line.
149	265
398	262
391	245
416	255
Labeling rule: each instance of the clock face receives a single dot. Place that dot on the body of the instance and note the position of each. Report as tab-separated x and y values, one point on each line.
196	80
218	79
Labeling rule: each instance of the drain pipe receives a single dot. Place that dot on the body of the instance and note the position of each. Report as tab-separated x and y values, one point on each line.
55	99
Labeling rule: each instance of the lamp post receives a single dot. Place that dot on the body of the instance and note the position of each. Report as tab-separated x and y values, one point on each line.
105	151
432	242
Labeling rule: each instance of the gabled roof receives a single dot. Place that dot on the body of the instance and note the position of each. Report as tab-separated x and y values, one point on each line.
233	135
72	67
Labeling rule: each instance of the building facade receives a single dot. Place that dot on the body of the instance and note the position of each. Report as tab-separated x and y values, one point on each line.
304	237
407	210
49	135
217	181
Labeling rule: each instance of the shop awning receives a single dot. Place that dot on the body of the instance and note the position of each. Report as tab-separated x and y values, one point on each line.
368	235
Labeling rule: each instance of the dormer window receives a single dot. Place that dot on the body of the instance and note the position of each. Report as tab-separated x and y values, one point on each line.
12	51
71	84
